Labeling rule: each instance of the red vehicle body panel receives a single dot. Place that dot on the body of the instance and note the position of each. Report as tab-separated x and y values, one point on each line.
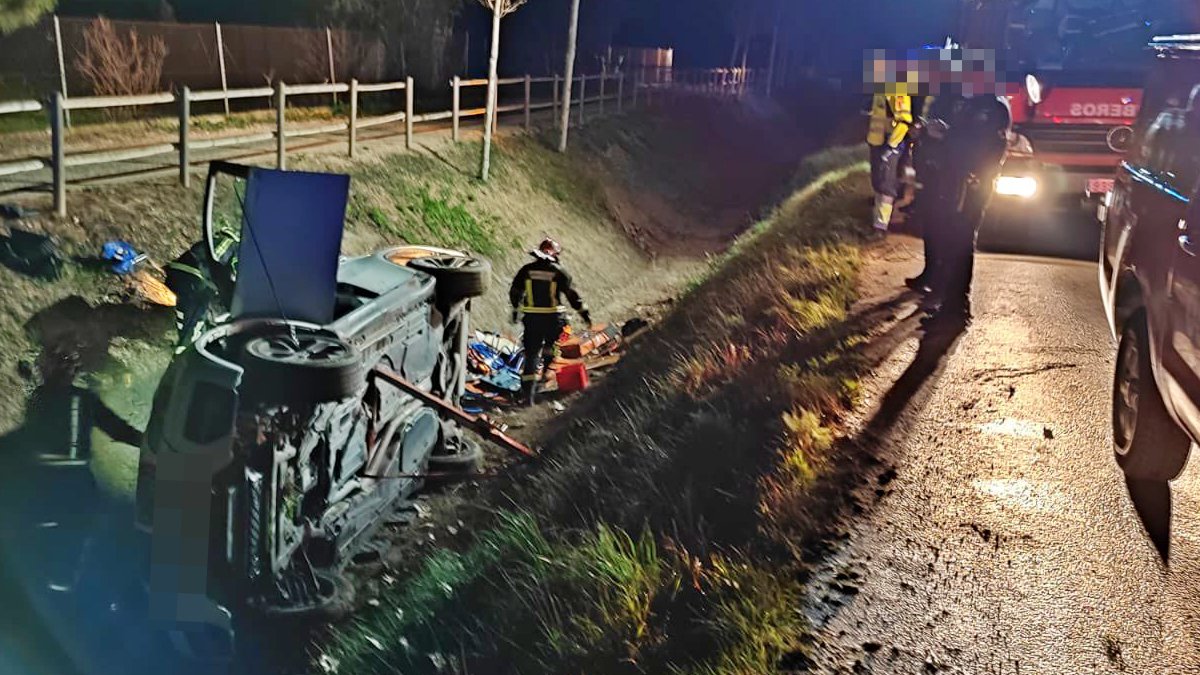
1111	106
1069	131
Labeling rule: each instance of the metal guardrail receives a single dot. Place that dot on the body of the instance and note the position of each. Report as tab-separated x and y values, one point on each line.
720	81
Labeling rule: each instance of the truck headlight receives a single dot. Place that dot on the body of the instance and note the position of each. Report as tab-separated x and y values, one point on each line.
1017	186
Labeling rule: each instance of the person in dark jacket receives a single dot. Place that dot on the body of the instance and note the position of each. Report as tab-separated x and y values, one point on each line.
536	295
930	209
976	141
50	504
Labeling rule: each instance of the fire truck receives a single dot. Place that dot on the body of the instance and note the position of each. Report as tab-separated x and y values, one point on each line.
1074	71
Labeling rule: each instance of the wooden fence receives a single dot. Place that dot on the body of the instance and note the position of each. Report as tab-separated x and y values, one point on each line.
610	89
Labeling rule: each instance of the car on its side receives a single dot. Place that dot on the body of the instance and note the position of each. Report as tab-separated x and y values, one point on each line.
276	452
1150	272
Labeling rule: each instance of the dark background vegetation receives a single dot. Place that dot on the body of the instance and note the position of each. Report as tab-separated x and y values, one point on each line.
826	36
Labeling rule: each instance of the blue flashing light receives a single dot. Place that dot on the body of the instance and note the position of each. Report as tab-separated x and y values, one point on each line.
1149	178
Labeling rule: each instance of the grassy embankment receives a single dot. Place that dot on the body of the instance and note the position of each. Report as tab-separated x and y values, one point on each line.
665	531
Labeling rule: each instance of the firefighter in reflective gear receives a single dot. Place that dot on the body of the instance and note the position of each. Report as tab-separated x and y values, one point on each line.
536	295
203	287
887	137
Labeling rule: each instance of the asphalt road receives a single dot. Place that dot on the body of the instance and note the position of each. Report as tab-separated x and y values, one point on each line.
998	535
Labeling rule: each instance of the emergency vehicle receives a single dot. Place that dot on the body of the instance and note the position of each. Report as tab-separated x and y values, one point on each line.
1074	70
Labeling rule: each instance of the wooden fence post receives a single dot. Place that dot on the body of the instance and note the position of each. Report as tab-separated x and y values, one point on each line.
456	85
329	50
185	120
58	153
603	78
62	66
557	103
528	95
408	112
221	61
582	97
637	75
620	92
280	140
353	115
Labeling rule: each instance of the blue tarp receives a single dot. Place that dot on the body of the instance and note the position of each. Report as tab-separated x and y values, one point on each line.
504	369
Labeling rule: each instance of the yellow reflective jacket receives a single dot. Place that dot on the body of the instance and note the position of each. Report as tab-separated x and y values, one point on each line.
891	117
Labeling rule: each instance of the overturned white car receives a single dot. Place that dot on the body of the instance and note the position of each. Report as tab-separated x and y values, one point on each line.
276	448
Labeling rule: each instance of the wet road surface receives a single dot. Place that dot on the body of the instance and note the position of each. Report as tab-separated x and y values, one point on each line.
999	536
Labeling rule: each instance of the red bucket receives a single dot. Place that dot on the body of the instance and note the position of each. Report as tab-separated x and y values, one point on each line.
572	377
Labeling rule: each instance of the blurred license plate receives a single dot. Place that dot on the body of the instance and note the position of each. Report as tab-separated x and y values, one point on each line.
1099	186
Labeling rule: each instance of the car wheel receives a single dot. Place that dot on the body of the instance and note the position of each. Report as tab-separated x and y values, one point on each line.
468	459
458	277
304	366
1147	442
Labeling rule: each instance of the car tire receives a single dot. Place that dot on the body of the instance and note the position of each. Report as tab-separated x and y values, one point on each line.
468	460
458	277
1147	442
304	366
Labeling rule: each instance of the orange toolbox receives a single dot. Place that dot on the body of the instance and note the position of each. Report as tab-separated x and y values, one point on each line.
603	340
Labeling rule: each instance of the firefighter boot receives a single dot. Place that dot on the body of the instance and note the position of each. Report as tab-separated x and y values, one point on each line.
529	392
883	212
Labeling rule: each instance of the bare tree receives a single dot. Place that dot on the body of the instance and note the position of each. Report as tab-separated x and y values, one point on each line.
117	65
500	9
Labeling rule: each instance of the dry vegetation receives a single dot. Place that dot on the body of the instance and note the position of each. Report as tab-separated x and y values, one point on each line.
120	65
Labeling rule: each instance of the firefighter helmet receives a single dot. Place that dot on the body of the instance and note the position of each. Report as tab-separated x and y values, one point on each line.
549	249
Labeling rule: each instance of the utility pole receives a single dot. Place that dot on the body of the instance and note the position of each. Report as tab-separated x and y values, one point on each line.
568	77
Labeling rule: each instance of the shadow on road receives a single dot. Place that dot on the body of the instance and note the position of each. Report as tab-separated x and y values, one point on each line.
910	391
1152	500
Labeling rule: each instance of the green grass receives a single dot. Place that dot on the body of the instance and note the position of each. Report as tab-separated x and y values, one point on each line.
17	122
590	601
650	538
415	198
450	221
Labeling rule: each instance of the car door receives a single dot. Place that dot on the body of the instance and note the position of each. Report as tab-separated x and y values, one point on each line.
1154	184
1141	189
1180	345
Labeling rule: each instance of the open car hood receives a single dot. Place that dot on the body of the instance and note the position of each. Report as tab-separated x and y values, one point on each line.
291	237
